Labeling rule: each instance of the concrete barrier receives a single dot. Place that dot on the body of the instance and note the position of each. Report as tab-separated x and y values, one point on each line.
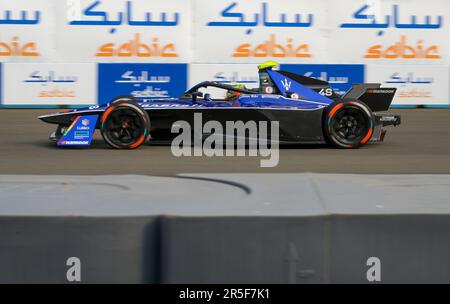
225	228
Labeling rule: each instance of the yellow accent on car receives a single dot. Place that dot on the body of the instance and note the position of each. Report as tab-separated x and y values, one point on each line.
268	65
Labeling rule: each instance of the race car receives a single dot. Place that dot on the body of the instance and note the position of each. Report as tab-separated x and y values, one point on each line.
308	111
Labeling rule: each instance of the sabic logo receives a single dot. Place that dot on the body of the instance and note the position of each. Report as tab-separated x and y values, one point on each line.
404	50
271	48
136	48
17	48
286	84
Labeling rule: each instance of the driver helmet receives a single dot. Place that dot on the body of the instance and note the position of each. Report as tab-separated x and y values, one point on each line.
233	95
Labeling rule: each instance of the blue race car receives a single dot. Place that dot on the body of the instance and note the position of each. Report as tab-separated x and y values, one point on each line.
308	110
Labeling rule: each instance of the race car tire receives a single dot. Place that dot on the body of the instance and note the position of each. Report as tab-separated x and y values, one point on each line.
125	124
348	124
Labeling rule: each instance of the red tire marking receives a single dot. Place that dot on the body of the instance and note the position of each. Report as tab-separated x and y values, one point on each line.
138	143
335	109
368	136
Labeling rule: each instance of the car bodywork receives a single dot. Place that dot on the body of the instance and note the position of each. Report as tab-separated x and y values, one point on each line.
297	102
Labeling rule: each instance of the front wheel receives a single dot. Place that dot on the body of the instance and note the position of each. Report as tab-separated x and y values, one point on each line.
348	124
125	125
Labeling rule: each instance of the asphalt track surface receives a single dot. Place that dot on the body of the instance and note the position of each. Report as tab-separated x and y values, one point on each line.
421	145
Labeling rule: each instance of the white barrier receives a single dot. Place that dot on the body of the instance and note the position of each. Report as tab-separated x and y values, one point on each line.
50	83
208	35
416	84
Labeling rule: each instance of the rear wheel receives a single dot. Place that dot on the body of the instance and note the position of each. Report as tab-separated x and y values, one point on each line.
348	124
125	125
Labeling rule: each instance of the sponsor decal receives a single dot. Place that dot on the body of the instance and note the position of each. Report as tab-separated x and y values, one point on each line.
295	96
81	134
141	80
80	131
341	77
380	91
169	105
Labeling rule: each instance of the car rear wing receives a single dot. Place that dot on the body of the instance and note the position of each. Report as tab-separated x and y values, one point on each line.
377	98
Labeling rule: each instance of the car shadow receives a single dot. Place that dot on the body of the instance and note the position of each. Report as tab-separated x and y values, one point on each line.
98	144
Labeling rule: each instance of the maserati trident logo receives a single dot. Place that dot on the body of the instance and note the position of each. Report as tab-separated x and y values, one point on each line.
286	84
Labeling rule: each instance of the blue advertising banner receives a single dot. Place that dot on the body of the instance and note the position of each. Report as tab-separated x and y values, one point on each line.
145	81
339	76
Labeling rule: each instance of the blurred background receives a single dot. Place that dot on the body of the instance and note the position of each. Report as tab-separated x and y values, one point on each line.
73	53
128	216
